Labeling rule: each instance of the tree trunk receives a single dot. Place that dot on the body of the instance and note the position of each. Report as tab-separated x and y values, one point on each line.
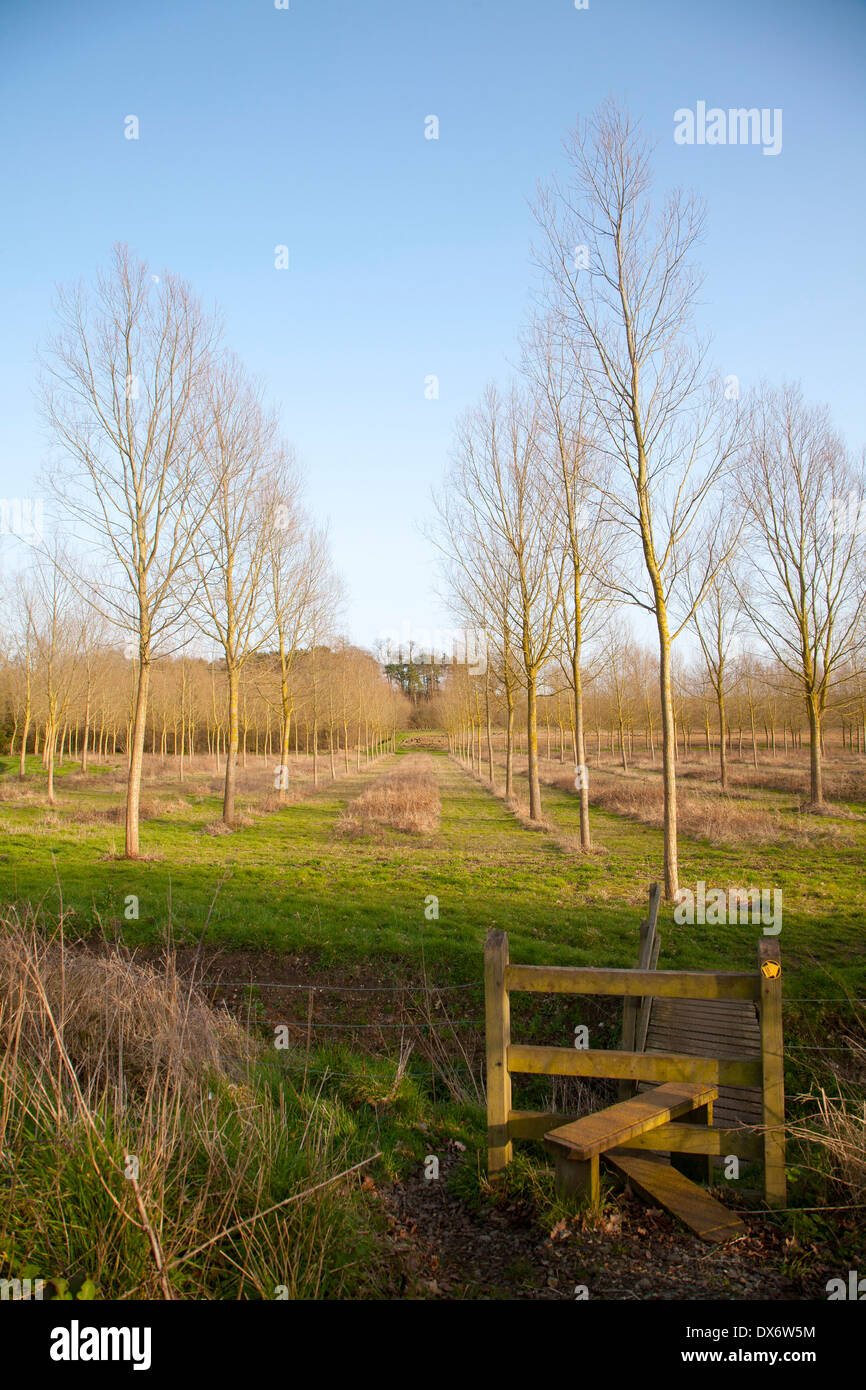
671	867
532	748
133	782
84	741
231	746
50	742
22	764
816	770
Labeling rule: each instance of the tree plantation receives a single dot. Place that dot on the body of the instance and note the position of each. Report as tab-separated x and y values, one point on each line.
505	949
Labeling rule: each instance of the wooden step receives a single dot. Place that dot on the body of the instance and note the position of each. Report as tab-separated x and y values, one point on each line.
658	1182
606	1129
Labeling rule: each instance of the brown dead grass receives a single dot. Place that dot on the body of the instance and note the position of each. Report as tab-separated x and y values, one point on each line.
406	799
116	1020
705	815
838	1125
841	783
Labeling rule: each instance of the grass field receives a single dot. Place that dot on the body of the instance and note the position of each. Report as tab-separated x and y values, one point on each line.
290	899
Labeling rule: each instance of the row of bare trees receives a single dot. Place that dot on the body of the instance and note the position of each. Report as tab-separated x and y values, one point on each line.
763	713
179	524
63	697
618	470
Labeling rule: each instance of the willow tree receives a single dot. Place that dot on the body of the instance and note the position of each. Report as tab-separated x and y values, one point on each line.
621	279
122	378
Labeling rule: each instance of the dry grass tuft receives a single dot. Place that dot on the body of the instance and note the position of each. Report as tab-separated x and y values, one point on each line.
115	1020
838	1126
406	799
151	1149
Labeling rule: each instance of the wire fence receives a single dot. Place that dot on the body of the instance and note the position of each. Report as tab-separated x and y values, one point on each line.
410	988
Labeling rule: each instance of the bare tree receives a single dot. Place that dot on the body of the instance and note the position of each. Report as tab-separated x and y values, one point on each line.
497	488
234	492
805	591
23	607
579	483
55	619
299	584
717	620
621	279
121	383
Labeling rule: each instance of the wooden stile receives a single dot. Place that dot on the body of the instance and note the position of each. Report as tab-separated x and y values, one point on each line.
692	1135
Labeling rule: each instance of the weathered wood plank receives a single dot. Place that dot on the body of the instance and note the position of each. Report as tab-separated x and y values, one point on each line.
658	1182
715	1027
700	1029
608	1128
637	1066
706	1027
702	1046
710	1008
687	984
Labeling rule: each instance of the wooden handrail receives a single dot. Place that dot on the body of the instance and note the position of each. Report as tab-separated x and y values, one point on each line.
664	984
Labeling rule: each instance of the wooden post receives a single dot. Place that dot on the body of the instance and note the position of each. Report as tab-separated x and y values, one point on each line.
497	1011
773	1070
633	1008
643	1015
578	1179
698	1167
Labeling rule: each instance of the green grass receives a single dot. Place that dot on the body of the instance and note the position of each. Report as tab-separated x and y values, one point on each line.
288	884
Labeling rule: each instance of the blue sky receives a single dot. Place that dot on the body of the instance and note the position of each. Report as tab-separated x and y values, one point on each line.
410	257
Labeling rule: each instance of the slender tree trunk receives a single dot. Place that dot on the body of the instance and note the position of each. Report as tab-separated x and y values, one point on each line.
723	753
532	748
487	723
583	777
22	764
671	867
231	745
816	771
86	732
133	782
50	745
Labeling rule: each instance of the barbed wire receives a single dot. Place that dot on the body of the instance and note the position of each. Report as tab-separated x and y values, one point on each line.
474	984
389	1023
341	989
347	1075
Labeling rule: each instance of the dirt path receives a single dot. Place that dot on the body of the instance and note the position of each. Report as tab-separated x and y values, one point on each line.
445	1250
